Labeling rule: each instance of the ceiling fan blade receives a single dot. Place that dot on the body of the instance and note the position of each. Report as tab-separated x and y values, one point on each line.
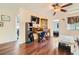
53	5
63	10
57	4
54	13
66	5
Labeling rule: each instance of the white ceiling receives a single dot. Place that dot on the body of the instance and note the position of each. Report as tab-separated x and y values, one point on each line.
44	8
41	7
37	6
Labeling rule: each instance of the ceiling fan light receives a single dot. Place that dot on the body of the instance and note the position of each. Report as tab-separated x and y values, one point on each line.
56	10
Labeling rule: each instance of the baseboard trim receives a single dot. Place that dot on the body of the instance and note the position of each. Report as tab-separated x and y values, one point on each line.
7	42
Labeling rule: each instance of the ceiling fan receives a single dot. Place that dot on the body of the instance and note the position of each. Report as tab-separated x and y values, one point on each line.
57	7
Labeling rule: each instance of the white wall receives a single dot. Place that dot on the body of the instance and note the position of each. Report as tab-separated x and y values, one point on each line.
8	31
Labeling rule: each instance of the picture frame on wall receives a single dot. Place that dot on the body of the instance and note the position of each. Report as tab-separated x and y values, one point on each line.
5	18
1	24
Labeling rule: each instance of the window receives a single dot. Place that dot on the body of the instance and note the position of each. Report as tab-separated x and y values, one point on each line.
73	23
77	26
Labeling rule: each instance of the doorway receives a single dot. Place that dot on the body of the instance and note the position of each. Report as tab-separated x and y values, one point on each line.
17	26
56	28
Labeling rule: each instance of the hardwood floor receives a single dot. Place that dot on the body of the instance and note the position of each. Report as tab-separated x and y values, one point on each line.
35	48
7	48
